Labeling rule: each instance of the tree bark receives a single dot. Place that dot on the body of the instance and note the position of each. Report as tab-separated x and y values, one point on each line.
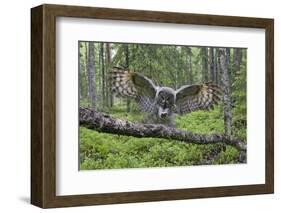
109	64
102	74
227	56
100	122
226	90
100	79
91	74
189	66
204	63
213	65
127	61
219	69
83	90
237	56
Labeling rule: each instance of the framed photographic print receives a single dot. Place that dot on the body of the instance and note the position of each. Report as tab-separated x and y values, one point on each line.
136	106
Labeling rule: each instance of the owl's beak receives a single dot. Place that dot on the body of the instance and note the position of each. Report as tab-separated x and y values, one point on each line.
162	113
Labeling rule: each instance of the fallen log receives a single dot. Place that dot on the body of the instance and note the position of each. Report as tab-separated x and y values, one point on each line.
101	122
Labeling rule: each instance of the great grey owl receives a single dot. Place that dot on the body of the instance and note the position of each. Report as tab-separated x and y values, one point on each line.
161	103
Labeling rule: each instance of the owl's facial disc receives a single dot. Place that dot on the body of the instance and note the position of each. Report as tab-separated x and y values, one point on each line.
165	102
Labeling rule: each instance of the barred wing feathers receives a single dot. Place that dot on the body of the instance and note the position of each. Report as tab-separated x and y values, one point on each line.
190	98
134	85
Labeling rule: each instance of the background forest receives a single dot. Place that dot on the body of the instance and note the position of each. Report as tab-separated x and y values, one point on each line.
167	65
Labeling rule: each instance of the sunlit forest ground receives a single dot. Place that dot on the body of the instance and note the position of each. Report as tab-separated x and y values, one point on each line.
104	151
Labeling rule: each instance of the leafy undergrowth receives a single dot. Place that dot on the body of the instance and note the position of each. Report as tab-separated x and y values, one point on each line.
110	151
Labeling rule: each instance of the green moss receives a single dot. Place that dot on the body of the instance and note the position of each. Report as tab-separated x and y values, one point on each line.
108	151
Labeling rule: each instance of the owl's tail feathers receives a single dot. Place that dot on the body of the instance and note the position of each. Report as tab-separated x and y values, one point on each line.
121	82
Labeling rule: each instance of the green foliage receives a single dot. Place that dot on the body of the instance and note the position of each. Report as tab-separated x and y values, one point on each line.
239	111
82	74
110	151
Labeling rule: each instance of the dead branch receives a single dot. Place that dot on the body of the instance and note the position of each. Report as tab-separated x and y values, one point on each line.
100	122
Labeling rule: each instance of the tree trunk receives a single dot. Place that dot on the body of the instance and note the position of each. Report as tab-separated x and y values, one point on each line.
189	66
86	68
100	79
91	74
204	64
227	52
237	56
219	70
127	61
109	61
213	65
83	90
226	90
102	75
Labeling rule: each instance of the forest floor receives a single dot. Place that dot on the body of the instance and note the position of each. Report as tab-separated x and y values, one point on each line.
109	151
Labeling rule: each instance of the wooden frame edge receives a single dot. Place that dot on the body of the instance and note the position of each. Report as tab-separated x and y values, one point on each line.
269	122
36	106
43	174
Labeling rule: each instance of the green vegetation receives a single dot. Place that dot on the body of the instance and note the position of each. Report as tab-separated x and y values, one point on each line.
104	151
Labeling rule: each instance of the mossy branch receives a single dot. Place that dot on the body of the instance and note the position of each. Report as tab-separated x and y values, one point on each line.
100	122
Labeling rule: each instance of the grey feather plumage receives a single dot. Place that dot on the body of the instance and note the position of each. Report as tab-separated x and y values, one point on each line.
162	102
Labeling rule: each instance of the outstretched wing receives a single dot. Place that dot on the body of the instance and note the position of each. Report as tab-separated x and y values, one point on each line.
190	98
133	85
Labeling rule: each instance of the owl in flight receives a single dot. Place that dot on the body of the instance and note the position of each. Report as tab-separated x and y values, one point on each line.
161	103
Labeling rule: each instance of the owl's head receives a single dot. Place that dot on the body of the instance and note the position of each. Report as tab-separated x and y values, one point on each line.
165	101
